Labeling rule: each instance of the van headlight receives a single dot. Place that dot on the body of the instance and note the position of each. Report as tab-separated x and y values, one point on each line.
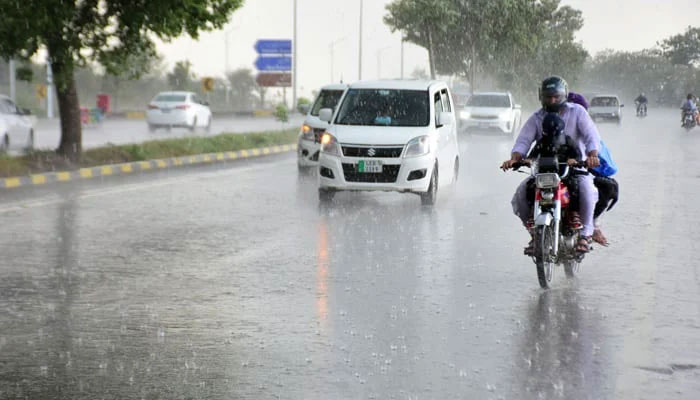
329	144
307	133
418	146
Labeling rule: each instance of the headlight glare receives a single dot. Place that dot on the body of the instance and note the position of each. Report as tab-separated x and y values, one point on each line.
329	144
307	132
418	146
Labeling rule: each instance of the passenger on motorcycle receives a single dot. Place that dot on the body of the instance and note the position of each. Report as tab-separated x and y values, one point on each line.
608	188
581	129
688	106
640	101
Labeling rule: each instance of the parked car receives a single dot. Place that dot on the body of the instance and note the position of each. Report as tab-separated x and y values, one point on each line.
178	109
491	111
606	107
390	135
16	126
309	142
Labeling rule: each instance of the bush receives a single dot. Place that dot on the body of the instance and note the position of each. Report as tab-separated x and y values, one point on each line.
303	105
282	113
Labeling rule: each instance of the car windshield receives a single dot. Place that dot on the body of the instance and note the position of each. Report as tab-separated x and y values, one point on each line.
604	102
384	107
326	99
171	98
489	100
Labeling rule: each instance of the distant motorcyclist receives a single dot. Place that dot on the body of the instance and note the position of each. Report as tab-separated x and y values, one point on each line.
579	126
641	101
689	106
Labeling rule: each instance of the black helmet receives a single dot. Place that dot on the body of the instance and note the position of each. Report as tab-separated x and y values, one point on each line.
690	96
554	85
552	126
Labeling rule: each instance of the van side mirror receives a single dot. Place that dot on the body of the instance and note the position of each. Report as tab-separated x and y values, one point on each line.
325	114
445	118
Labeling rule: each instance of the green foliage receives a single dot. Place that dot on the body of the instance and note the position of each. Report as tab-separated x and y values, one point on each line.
181	76
683	49
303	105
281	113
24	73
242	85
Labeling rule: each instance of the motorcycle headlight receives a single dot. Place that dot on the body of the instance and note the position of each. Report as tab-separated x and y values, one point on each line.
547	181
418	146
329	144
307	133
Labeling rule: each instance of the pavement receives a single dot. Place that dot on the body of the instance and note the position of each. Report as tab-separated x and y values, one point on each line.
229	280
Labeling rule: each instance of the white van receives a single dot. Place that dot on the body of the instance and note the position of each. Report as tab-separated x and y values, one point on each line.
390	135
309	141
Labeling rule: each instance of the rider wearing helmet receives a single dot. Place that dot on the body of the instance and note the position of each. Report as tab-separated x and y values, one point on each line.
581	129
689	106
640	101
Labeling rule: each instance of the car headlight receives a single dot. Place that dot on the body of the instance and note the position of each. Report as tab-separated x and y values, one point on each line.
465	114
307	133
418	146
329	144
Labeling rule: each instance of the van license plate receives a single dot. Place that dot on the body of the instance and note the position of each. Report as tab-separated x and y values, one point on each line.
369	166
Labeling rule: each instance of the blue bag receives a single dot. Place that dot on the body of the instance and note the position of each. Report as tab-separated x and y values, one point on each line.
607	165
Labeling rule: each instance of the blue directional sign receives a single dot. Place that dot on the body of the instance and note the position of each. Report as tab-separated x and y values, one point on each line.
274	63
273	46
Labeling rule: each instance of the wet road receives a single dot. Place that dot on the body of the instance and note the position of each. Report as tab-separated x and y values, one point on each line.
123	131
229	281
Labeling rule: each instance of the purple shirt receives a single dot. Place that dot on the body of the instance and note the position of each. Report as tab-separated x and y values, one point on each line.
579	126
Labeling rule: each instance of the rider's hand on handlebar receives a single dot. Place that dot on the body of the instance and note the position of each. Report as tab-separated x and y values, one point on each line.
508	164
592	161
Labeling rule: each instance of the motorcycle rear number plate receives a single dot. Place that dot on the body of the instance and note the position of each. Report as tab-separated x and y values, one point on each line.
369	166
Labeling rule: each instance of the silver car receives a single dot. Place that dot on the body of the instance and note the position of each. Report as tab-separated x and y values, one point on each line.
606	107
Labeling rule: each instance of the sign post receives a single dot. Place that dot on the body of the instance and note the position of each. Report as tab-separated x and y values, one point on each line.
274	63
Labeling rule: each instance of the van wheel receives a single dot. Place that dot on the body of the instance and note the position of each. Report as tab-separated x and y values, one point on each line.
428	198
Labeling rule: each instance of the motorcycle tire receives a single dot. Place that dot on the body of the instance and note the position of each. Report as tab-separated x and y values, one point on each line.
544	243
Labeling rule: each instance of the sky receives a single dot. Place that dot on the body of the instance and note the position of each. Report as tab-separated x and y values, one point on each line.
331	27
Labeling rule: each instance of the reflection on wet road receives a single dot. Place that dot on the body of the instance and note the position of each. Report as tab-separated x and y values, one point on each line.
232	282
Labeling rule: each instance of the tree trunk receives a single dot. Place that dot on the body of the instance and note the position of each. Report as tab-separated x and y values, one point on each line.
70	145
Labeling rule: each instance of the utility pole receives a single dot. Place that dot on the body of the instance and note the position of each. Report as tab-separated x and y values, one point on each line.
402	57
13	87
359	68
294	60
49	89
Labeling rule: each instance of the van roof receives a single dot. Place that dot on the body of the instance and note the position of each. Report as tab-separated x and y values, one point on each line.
408	84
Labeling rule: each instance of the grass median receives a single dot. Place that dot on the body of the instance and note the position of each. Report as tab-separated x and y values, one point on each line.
48	161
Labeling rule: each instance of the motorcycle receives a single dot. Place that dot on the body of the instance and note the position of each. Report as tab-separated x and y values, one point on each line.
689	121
554	240
641	109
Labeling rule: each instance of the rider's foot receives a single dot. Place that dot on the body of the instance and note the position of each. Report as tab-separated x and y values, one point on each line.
599	238
583	245
530	249
574	220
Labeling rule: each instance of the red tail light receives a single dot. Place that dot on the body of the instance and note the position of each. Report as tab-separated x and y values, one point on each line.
152	107
183	107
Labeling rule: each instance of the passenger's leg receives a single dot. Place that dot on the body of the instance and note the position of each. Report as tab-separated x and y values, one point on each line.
588	197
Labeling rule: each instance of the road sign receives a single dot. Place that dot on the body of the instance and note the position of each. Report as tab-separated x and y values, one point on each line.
273	46
274	79
207	84
274	63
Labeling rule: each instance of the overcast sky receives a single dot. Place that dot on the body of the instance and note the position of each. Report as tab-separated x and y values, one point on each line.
614	24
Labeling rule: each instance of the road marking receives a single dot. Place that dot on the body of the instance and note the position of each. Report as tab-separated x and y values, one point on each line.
126	168
85	173
106	171
63	176
12	182
144	165
38	179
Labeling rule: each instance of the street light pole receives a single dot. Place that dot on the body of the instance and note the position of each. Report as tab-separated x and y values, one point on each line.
13	87
402	41
359	68
294	60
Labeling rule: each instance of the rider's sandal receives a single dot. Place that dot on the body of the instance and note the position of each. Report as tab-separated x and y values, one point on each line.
530	249
583	245
575	220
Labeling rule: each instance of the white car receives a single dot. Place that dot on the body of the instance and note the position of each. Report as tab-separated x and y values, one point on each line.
178	109
606	107
16	126
491	111
391	135
309	142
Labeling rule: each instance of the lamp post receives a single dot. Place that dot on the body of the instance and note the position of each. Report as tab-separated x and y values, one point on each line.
359	57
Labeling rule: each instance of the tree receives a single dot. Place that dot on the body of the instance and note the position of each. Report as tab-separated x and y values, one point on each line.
242	85
182	76
683	49
110	33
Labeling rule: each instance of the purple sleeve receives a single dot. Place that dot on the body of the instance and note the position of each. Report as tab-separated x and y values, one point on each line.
528	134
588	131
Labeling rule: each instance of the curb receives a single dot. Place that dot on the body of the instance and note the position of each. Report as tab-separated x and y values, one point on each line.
139	166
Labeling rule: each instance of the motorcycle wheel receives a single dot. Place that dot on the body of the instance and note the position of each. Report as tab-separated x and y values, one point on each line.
545	243
571	268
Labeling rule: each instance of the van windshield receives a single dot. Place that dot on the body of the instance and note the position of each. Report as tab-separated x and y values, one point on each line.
604	102
384	107
489	100
326	99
